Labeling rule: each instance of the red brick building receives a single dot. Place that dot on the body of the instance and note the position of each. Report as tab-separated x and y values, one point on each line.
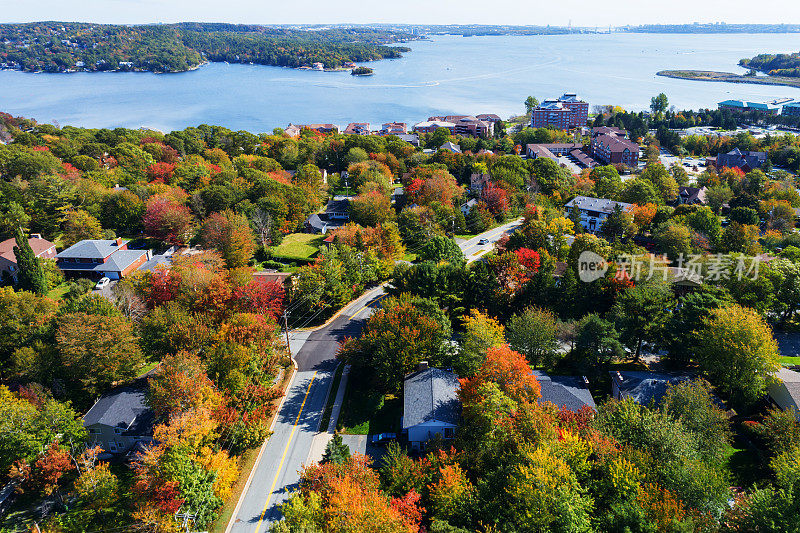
563	113
613	150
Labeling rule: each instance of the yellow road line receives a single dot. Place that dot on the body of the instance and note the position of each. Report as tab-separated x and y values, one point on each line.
285	451
378	299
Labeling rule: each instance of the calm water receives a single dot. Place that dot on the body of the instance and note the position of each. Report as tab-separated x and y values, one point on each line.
444	76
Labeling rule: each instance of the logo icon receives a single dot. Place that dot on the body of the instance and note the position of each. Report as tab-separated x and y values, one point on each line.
591	266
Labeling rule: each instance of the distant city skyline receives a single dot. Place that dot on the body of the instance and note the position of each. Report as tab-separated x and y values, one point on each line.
583	13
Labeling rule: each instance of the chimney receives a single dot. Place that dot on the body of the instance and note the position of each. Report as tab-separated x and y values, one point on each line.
119	241
422	365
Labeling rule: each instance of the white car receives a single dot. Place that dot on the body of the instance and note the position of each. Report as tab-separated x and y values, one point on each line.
102	284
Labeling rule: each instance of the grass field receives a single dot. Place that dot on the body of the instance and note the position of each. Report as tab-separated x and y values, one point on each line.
367	412
57	293
790	361
298	247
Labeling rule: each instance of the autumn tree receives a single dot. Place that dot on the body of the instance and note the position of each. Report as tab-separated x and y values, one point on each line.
371	208
96	351
230	234
738	353
167	219
405	331
481	332
80	225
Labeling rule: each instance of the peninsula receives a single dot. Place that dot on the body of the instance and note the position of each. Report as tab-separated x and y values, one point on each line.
729	77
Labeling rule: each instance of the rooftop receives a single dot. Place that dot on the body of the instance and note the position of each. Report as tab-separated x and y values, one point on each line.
92	249
125	408
430	394
569	392
602	205
645	387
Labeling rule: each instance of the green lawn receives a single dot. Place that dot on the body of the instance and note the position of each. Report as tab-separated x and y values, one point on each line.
366	412
790	361
298	246
58	292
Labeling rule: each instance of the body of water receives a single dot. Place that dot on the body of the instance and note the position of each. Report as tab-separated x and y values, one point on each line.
446	75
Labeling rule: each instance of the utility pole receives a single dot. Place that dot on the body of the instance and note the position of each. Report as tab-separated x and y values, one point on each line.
186	517
286	329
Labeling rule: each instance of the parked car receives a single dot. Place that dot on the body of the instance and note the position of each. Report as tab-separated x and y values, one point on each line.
382	439
483	241
102	284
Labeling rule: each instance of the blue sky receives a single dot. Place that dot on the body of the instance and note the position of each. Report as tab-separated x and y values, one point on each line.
579	12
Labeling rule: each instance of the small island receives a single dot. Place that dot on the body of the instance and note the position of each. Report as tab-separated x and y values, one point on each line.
362	71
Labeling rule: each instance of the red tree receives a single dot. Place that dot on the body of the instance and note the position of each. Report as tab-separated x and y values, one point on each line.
529	259
258	297
161	172
496	199
167	219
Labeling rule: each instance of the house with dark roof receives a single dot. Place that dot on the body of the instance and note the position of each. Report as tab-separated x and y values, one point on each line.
785	390
691	196
8	260
450	147
336	215
430	405
567	392
97	258
120	419
410	138
594	211
643	387
741	159
357	128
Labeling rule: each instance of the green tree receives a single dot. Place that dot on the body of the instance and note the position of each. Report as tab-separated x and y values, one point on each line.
659	104
336	451
596	345
738	353
80	225
640	314
442	249
673	239
530	104
481	332
534	334
30	274
682	333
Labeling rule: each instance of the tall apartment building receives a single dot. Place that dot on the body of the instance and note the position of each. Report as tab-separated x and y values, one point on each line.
566	112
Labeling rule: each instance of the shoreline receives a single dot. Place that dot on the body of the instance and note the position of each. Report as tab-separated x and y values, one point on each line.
729	77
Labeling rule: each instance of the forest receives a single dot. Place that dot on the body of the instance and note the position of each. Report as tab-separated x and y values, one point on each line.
62	46
203	333
774	64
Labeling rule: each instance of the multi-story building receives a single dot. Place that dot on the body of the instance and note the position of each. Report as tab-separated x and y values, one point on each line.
594	211
563	113
614	150
394	128
357	128
791	109
432	125
475	127
741	106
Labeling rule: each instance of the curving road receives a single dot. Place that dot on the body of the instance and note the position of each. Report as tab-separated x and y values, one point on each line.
276	473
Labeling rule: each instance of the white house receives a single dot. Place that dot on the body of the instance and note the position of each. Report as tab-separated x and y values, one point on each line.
430	405
594	211
785	392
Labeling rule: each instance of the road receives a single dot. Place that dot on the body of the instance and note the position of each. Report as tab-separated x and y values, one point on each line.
277	471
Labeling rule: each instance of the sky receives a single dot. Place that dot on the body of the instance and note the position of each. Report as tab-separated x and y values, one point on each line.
588	13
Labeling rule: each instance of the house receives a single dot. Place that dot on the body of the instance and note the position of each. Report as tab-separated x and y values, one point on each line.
567	392
293	130
120	419
432	125
594	211
785	392
97	258
643	387
450	147
691	196
323	128
613	150
410	138
8	260
609	130
284	279
430	405
741	159
551	150
477	182
336	215
466	208
394	128
563	113
357	128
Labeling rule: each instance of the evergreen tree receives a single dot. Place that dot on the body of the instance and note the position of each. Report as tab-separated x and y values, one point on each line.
30	276
336	452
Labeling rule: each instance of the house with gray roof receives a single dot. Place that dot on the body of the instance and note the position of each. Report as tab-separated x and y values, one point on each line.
594	211
120	419
336	215
567	392
450	147
97	258
784	391
644	387
430	405
741	159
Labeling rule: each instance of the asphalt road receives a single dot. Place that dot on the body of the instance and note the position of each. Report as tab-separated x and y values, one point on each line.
277	471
